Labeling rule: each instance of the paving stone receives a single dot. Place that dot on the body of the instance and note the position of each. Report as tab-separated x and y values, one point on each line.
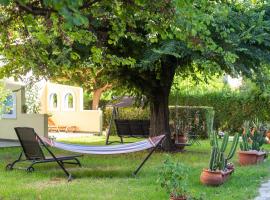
4	143
264	191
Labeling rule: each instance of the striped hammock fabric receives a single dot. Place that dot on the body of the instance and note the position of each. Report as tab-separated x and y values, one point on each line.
106	150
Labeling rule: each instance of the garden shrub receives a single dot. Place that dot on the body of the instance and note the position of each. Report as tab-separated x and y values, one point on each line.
3	94
124	113
196	119
232	108
187	114
32	99
87	104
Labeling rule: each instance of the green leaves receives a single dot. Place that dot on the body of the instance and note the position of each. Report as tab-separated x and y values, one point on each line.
3	94
69	10
5	2
173	176
230	57
138	42
97	55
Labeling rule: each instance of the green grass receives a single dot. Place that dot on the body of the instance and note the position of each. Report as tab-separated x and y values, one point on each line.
109	177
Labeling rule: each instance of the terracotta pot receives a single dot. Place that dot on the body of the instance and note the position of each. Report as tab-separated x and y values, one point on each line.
213	178
227	174
251	157
180	141
180	138
178	198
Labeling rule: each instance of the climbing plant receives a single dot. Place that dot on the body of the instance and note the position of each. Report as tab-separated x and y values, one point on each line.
3	94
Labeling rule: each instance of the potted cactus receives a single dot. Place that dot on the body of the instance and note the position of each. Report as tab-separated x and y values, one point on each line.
251	146
173	178
219	169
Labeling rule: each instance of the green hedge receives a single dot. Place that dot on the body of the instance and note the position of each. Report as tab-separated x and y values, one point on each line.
124	113
184	114
197	119
231	108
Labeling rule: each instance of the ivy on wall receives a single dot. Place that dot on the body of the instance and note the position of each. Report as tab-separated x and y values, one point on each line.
3	94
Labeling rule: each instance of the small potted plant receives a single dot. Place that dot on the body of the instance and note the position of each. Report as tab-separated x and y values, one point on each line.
179	137
219	169
173	177
251	146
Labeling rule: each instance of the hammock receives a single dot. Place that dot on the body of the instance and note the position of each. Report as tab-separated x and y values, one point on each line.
30	142
105	150
152	142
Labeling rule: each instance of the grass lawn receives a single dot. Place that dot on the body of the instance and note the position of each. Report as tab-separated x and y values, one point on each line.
109	177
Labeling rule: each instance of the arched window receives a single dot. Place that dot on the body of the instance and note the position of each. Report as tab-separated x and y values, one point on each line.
53	101
69	101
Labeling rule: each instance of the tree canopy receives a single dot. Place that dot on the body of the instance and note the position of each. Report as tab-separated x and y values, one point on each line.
142	44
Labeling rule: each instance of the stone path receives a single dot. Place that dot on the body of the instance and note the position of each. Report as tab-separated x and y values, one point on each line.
63	135
264	191
4	143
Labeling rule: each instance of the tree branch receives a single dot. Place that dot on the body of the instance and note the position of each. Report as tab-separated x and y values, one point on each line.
38	11
88	4
98	73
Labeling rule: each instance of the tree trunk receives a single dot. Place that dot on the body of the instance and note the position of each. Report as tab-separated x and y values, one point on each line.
159	119
97	95
96	98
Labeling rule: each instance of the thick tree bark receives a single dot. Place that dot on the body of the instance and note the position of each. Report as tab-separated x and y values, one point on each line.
96	98
159	119
97	95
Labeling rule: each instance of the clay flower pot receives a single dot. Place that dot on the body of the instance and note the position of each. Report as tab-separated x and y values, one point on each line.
251	157
215	178
227	174
180	141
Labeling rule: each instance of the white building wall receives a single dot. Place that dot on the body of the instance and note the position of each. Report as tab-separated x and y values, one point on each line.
37	121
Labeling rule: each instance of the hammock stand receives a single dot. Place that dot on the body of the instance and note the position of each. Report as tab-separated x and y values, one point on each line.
126	128
34	138
153	143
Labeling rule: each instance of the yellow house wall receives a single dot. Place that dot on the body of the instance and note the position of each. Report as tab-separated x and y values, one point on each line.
37	121
61	91
43	100
84	120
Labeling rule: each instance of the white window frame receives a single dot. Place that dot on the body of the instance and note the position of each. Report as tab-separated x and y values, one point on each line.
50	102
65	104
